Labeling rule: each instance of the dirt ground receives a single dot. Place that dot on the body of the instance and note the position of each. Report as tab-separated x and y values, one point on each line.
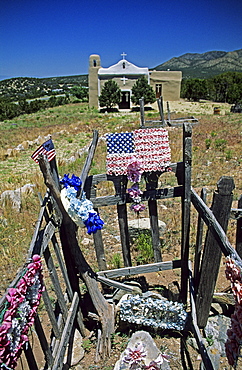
190	108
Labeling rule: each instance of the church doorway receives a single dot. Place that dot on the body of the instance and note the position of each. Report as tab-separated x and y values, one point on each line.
125	100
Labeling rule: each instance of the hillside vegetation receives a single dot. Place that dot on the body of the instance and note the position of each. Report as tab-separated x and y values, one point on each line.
216	152
20	88
209	64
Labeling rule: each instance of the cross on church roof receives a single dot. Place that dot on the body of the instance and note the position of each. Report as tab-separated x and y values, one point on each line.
123	55
124	79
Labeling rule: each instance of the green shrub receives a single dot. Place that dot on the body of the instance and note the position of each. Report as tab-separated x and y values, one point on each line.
116	260
143	245
208	143
220	144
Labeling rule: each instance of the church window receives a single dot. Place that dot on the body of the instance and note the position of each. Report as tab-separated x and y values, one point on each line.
94	63
123	65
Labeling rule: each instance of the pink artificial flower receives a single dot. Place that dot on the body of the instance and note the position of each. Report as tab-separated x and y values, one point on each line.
232	351
239	313
134	191
232	272
134	170
14	298
137	207
135	355
237	290
236	328
155	365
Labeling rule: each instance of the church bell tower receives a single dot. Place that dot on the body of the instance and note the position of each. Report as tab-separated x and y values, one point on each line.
94	66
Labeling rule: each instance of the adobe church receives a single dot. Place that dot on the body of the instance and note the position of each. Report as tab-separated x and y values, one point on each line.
165	83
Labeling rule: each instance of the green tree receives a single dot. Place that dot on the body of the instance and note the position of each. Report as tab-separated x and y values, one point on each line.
110	95
194	89
226	87
80	92
142	89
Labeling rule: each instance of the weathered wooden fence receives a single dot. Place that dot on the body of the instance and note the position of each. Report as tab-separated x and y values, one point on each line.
50	240
162	122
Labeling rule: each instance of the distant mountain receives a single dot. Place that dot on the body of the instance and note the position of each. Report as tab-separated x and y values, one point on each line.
17	88
209	64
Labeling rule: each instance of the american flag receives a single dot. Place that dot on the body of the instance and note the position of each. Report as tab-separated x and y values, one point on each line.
149	146
47	149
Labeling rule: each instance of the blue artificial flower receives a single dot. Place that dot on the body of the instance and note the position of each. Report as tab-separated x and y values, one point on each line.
65	180
74	181
80	210
93	223
71	192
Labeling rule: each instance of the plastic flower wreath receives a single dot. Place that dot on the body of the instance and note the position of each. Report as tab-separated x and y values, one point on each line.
21	308
234	342
80	210
134	172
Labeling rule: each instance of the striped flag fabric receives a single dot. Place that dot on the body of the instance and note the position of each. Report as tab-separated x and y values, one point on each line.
148	146
47	148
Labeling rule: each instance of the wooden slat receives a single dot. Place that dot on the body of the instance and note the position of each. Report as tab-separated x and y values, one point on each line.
38	226
212	254
114	284
199	237
236	213
239	230
43	341
151	185
202	349
124	233
62	266
186	205
99	248
44	238
155	234
66	333
50	313
210	220
30	357
55	281
163	193
141	269
55	341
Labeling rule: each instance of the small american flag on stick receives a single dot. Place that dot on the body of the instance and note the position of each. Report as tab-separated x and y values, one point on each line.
47	149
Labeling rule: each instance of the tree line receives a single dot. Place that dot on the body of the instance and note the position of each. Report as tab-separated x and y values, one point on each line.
224	88
9	110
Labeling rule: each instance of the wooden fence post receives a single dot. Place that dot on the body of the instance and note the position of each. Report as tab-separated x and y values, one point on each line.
160	106
124	233
168	114
239	231
99	248
142	112
186	205
151	184
123	221
221	206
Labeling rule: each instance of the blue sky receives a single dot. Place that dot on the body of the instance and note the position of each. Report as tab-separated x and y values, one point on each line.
55	37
